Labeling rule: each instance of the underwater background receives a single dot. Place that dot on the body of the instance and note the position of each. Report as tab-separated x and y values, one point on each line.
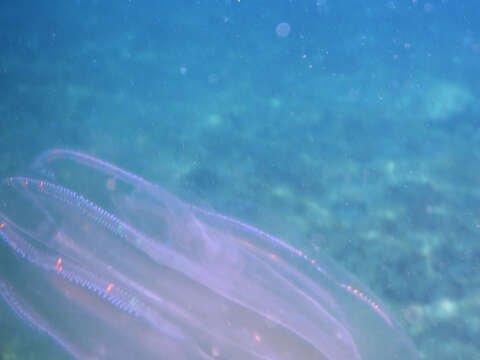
345	128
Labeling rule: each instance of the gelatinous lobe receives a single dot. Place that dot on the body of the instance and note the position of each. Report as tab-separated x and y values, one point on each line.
148	276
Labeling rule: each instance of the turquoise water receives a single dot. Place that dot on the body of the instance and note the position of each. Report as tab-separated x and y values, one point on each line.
354	134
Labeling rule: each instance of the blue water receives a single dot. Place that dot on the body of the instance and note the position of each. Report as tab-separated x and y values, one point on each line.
353	134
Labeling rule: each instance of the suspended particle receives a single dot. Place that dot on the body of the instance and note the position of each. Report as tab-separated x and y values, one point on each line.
283	29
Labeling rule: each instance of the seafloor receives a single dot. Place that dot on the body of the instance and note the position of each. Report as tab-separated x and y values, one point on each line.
337	146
